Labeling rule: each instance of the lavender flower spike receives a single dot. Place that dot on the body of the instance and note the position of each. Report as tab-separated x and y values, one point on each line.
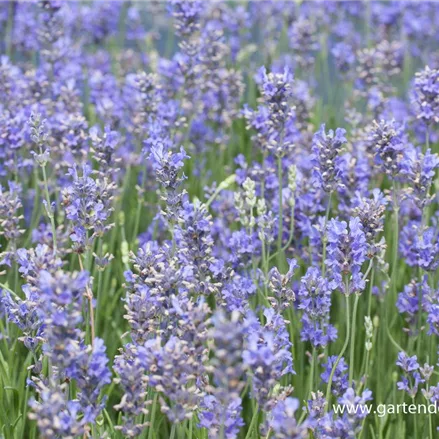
347	250
326	156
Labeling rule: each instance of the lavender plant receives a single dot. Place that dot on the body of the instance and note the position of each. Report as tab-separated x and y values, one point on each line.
200	201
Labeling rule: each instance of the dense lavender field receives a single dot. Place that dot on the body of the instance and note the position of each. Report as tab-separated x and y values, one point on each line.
219	219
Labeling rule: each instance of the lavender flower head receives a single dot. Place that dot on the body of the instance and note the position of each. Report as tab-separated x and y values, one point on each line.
38	134
411	377
275	88
314	298
347	250
280	284
129	366
221	407
195	244
425	95
173	370
303	40
94	375
149	294
340	377
55	415
282	421
10	214
87	204
326	156
61	310
419	245
104	146
388	142
344	56
419	170
370	212
350	424
409	300
167	166
187	15
228	341
25	313
274	120
267	354
221	421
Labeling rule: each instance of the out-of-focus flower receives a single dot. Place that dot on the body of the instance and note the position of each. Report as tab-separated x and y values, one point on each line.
11	216
219	420
129	366
419	170
344	56
173	370
303	41
55	415
419	246
282	421
425	95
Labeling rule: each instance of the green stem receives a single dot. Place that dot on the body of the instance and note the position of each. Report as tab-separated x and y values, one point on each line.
109	420
9	29
223	185
172	435
290	239
368	23
49	208
352	353
430	426
89	294
36	210
366	371
427	138
9	290
328	208
99	294
427	207
415	421
153	411
25	405
99	297
396	237
394	342
221	431
369	303
191	423
311	373
280	216
343	350
139	206
252	422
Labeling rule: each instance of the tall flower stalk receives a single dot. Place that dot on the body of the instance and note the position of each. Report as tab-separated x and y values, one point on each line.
41	156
